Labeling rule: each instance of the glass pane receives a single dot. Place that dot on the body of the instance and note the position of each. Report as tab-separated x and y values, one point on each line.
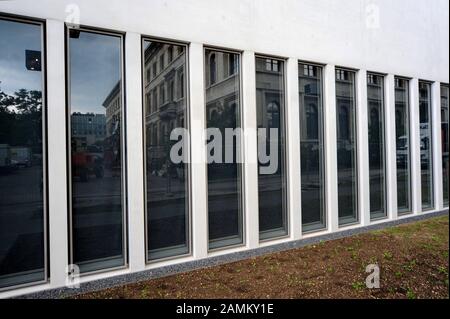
346	146
375	112
271	148
167	178
96	150
445	141
311	147
224	168
402	137
426	155
22	238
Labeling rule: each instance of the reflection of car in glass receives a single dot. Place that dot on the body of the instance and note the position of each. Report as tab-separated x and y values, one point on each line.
86	160
21	156
424	151
402	151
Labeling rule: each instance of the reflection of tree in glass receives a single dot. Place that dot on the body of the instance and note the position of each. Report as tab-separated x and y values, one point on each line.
20	118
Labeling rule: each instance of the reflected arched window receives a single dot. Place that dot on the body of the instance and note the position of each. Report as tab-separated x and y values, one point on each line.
344	123
273	115
212	69
312	121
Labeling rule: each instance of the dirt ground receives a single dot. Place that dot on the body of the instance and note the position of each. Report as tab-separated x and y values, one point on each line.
413	261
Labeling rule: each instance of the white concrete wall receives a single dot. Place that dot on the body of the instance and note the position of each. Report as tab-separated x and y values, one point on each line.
409	37
402	37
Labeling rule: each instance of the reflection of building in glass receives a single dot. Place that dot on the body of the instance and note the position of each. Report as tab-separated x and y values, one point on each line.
268	92
164	97
112	104
166	183
346	146
401	105
221	91
88	126
344	108
311	147
310	91
402	135
270	112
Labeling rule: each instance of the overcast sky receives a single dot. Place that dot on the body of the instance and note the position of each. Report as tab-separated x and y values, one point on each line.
95	64
95	70
15	38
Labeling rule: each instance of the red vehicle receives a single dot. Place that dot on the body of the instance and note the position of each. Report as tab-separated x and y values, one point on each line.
86	162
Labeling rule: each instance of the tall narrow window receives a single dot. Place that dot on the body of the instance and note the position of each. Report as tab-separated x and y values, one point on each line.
445	141
96	161
377	170
223	121
167	178
346	146
402	137
311	147
426	145
22	154
270	110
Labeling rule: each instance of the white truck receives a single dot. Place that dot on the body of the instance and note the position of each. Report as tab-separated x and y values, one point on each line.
21	156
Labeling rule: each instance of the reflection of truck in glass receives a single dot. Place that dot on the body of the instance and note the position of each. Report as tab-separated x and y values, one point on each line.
5	157
402	151
86	160
21	156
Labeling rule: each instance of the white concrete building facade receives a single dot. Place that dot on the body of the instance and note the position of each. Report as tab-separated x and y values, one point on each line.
357	89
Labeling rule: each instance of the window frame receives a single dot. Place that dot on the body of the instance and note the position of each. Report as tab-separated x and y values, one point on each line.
431	167
408	211
45	183
322	127
124	184
187	120
357	167
241	171
286	203
443	85
382	116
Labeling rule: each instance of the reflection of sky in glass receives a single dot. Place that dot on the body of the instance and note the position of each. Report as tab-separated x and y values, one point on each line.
15	38
94	70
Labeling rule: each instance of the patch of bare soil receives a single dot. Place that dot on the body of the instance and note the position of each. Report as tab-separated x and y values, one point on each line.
413	261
